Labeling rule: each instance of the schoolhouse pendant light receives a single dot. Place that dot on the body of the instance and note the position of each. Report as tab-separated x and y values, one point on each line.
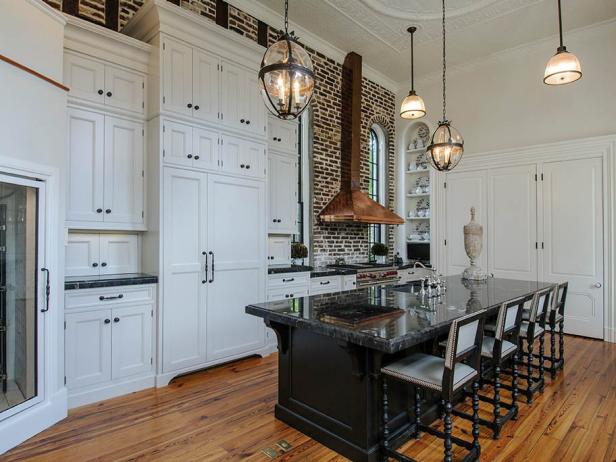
286	77
446	146
413	106
563	67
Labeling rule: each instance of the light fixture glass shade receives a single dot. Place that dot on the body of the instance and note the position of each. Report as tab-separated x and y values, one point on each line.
446	147
286	78
562	68
412	107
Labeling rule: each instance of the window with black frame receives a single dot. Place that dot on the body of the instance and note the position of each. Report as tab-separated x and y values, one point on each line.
376	180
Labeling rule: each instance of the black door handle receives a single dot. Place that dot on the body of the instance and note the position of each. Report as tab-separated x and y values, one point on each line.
212	279
107	321
103	264
196	157
116	319
242	121
248	122
189	105
288	280
103	298
47	290
109	94
108	211
100	92
203	281
99	210
196	108
94	265
189	156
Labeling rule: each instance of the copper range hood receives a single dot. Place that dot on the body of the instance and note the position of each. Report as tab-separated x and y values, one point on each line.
351	205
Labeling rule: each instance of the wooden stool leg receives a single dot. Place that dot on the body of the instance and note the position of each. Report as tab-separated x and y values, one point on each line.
385	418
497	387
476	416
529	370
553	352
541	361
561	342
417	413
448	429
514	385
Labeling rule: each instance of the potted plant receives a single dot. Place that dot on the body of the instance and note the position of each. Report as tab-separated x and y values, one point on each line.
380	251
298	252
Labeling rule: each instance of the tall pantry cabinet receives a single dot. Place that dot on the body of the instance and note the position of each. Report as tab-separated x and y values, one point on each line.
206	208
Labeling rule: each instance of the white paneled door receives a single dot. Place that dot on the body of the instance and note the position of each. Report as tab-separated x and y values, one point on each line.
573	240
236	214
177	77
131	348
206	85
463	191
184	294
511	230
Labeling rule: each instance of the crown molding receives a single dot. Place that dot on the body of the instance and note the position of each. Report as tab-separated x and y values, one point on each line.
48	10
509	53
271	17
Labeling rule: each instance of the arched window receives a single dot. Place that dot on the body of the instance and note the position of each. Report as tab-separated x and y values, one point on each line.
377	180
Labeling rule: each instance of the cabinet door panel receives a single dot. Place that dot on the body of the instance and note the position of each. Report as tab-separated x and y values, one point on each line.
126	88
177	77
206	148
464	190
573	240
86	143
285	179
131	347
282	135
236	235
184	295
177	143
253	159
231	155
82	253
512	222
119	253
232	92
206	90
85	78
255	111
123	171
88	348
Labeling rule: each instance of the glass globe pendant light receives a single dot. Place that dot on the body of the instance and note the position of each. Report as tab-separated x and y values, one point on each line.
286	77
563	67
412	106
446	146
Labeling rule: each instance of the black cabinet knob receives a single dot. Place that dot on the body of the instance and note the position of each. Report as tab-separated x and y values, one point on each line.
116	319
242	166
248	122
107	321
203	253
279	220
94	265
196	157
247	166
286	295
189	105
275	139
109	94
242	121
99	210
100	92
189	156
291	295
108	211
103	264
196	108
203	281
274	220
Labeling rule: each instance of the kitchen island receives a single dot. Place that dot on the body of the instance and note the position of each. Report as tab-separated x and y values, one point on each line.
332	347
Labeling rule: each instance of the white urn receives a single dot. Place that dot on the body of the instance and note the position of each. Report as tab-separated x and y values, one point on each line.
473	244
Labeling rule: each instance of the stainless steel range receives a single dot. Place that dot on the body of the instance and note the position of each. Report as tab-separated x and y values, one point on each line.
371	274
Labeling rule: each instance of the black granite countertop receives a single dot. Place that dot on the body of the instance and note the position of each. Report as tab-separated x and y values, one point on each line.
110	280
324	272
279	269
422	319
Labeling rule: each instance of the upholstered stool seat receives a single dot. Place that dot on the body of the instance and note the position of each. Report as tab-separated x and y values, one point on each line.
487	348
427	371
524	330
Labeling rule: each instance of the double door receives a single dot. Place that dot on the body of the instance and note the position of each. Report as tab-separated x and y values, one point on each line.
213	266
91	254
105	170
541	222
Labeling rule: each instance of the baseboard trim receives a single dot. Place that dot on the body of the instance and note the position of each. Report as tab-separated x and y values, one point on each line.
102	392
609	334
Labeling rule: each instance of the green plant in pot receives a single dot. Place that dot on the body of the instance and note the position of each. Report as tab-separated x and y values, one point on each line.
380	251
298	252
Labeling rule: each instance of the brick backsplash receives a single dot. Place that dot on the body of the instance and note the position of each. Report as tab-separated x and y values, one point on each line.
330	241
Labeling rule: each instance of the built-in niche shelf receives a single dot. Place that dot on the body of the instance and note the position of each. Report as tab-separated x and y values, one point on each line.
426	194
417	218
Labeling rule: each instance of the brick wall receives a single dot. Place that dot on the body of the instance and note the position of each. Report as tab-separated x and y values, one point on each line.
330	241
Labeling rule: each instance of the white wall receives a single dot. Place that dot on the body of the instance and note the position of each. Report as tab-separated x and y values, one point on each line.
501	102
32	143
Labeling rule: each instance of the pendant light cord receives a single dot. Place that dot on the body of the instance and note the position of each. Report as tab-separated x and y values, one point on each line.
412	70
286	16
445	66
560	24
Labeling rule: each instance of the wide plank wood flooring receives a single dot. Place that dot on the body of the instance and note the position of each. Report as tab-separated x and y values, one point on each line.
226	414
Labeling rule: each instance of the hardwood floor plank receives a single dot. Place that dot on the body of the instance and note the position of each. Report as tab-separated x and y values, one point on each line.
227	414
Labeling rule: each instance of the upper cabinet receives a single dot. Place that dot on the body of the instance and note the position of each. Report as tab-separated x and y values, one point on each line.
282	173
202	85
95	81
282	135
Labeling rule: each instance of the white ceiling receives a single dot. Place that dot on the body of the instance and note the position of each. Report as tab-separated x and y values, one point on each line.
376	29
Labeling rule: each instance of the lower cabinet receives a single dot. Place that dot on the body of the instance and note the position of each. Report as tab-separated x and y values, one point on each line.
108	342
93	254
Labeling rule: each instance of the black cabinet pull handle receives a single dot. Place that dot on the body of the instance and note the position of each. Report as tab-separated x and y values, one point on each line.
109	94
212	279
107	321
47	290
288	280
324	283
189	156
100	92
116	319
103	264
94	265
196	108
189	105
108	211
115	297
99	210
242	121
196	157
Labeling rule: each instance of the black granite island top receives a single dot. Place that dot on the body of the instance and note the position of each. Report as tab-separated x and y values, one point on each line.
418	321
279	269
110	280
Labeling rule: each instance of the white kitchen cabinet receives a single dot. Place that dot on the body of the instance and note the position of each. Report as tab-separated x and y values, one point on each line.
86	154
241	106
325	285
286	294
205	149
88	348
278	250
177	143
105	172
124	171
177	77
282	175
99	82
281	286
206	85
131	341
349	282
282	135
242	156
90	254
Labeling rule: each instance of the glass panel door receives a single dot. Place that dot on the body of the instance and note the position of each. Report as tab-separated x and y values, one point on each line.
19	286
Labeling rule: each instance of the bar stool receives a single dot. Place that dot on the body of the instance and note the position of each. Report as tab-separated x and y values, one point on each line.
530	331
496	350
555	326
444	376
